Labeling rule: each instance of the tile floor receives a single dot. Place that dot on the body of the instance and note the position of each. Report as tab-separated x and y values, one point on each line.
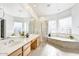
46	49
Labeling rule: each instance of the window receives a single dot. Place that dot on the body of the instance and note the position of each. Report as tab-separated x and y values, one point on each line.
21	27
65	25
26	27
52	26
17	27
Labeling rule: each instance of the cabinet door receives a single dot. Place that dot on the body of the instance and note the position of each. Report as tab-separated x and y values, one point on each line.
27	51
20	54
26	46
34	44
17	52
38	41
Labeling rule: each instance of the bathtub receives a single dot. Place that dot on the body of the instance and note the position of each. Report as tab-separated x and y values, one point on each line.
64	42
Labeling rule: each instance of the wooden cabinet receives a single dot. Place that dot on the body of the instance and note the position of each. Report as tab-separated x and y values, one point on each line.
26	46
34	44
38	41
26	49
17	52
20	54
33	40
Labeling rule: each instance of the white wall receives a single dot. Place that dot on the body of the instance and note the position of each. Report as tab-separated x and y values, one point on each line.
0	28
75	19
59	16
38	27
8	25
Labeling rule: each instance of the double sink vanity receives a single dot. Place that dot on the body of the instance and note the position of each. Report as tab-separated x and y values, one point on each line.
19	46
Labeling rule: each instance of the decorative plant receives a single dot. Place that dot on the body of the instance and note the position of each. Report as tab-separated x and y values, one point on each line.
71	37
22	34
13	34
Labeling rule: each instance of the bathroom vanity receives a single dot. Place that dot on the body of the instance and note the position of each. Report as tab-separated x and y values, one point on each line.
22	47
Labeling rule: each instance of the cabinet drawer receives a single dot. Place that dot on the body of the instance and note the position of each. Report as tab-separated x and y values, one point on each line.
33	40
17	52
20	54
27	51
26	46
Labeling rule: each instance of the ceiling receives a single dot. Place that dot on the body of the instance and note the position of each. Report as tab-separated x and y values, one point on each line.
50	9
41	9
15	9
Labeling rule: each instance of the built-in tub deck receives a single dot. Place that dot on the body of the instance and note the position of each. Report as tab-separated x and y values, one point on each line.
64	42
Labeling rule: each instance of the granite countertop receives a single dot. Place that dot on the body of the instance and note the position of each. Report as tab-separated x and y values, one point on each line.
5	50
